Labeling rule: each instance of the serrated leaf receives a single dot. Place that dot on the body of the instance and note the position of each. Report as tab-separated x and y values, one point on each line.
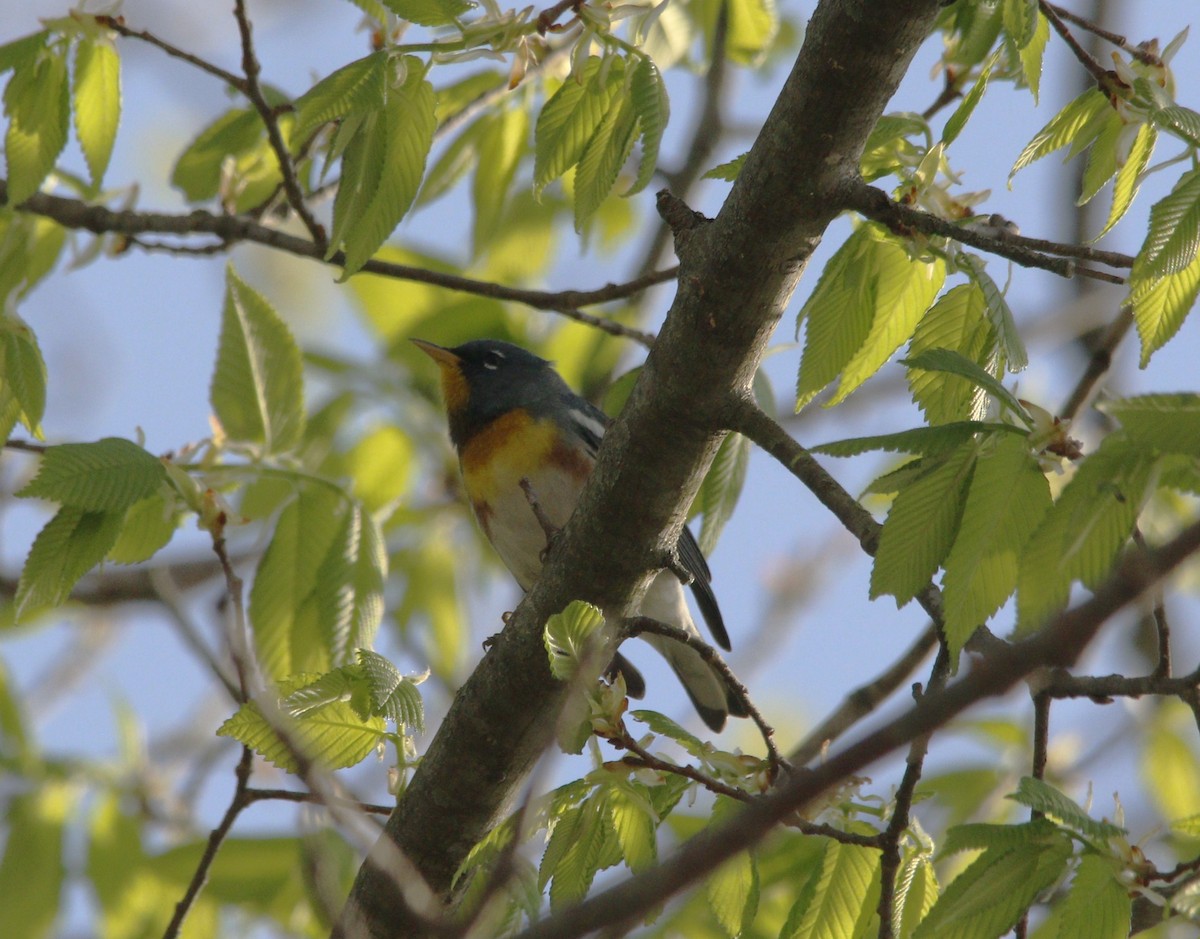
842	894
37	102
1102	156
750	31
573	874
1033	54
731	890
33	871
1080	536
568	636
1098	904
721	489
429	12
927	441
97	102
382	168
503	140
197	172
1170	245
1161	304
1169	423
354	88
148	526
570	118
257	389
23	51
1041	796
1063	129
601	161
333	736
392	695
22	378
1020	21
71	544
955	363
920	528
1129	176
1000	314
665	727
342	684
958	321
452	164
989	896
1183	122
728	171
350	593
108	475
1008	497
635	824
916	892
648	93
977	836
958	120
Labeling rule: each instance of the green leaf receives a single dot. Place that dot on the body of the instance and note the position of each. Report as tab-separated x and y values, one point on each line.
503	141
257	389
958	120
1102	157
355	88
955	363
1008	497
927	441
568	637
147	527
1161	303
455	159
109	475
648	93
1183	122
23	51
1129	176
635	823
393	696
1098	905
288	595
198	171
957	321
382	168
665	727
333	736
1170	245
1042	797
721	488
349	590
1020	21
97	102
1063	129
429	12
731	891
978	836
580	837
999	313
1169	423
571	117
381	465
842	898
67	547
32	871
37	102
1168	763
346	684
22	378
602	158
916	893
1033	54
727	171
752	27
989	896
921	526
1080	536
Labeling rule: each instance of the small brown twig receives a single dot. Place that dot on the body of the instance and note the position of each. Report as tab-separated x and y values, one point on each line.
292	795
1098	364
1141	53
549	529
1106	81
117	25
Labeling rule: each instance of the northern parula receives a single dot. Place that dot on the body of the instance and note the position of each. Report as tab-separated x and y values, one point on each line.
513	420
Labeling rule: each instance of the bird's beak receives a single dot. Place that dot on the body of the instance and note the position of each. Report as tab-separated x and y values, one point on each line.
443	356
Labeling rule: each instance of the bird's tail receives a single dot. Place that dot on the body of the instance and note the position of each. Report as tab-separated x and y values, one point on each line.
709	693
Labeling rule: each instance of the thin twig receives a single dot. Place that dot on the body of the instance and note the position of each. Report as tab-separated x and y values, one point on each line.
1162	626
291	795
1098	364
1140	53
117	25
644	759
253	91
167	592
1104	79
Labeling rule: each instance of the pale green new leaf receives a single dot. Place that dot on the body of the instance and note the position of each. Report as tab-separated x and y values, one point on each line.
1161	303
1041	796
957	321
752	27
108	475
22	51
382	168
634	821
921	526
353	88
665	727
71	544
1063	129
350	584
731	891
453	162
721	489
653	109
503	144
570	118
916	899
22	378
392	695
1033	54
97	102
1000	313
147	527
900	292
958	120
572	875
955	363
1020	21
989	897
1183	122
1174	235
568	637
429	12
37	102
333	736
927	441
1079	537
1098	905
257	389
843	896
1169	423
32	871
342	684
288	596
1102	159
727	171
602	158
1008	497
198	170
1129	176
977	836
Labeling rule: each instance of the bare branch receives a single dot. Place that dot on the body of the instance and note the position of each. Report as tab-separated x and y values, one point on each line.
117	25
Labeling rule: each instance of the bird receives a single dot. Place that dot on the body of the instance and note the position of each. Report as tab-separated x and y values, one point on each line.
524	438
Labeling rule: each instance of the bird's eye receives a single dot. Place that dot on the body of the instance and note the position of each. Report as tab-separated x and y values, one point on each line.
492	359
